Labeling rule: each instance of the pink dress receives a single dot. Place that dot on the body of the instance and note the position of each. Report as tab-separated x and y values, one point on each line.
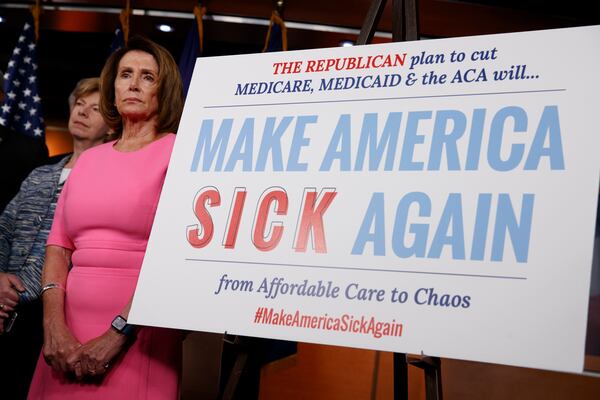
104	214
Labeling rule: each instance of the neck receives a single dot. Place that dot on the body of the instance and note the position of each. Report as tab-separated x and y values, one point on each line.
137	134
79	146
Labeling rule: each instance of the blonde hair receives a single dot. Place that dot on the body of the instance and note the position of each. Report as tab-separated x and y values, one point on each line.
83	88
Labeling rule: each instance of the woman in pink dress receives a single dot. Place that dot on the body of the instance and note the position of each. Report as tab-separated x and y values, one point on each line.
98	239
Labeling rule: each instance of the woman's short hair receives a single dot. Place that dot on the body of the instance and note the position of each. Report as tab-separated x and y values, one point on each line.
170	88
84	87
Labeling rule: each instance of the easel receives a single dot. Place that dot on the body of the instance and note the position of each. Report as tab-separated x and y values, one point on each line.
405	26
245	363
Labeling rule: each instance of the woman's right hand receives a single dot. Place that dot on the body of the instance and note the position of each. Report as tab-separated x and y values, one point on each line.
59	344
10	286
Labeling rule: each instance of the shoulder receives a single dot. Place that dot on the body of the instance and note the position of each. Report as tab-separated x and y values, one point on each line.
169	139
100	149
47	169
95	152
164	144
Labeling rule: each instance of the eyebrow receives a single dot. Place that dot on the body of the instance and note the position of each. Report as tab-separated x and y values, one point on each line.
144	70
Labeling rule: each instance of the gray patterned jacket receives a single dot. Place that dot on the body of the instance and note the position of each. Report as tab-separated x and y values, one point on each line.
25	225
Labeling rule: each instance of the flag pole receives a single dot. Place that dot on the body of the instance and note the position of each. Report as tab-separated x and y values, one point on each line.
199	12
276	21
124	19
36	10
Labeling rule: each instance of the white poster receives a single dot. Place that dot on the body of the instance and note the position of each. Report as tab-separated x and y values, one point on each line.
432	197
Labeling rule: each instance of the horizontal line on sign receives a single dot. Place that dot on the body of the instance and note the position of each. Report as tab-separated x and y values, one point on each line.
384	98
357	269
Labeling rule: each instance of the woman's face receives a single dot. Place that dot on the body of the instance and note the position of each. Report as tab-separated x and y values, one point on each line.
85	121
136	86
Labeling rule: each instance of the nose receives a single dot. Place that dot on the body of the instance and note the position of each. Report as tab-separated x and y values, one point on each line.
134	83
83	111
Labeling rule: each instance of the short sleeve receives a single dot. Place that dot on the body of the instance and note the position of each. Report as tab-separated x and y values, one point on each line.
58	235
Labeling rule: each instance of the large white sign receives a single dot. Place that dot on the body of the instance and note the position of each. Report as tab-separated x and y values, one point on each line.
432	197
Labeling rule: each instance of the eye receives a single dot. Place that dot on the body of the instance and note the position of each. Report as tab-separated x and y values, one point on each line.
79	103
149	77
125	74
96	109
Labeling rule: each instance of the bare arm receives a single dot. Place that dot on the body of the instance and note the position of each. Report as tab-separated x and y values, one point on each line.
59	342
95	355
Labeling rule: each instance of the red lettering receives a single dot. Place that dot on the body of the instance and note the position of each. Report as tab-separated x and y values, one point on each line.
200	236
235	216
330	63
266	241
312	218
311	66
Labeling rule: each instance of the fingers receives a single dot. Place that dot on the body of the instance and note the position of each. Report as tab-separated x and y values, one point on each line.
73	363
77	368
88	366
5	307
90	361
63	358
9	293
9	297
15	281
53	363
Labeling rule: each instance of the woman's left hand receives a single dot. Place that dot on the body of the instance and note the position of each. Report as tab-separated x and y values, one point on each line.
93	357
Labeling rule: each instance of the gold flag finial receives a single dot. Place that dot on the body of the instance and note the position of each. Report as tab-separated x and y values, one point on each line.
124	18
199	12
36	10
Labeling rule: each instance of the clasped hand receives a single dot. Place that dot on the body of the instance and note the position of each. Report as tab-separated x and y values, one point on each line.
10	286
65	354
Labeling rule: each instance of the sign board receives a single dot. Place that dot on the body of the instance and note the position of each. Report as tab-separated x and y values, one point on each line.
432	197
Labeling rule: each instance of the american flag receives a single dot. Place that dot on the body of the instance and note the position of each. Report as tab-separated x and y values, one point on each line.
192	48
276	35
22	107
119	39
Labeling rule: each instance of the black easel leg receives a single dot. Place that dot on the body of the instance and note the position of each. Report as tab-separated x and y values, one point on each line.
433	380
432	368
400	377
370	23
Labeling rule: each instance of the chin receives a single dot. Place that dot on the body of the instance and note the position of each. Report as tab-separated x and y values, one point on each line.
76	132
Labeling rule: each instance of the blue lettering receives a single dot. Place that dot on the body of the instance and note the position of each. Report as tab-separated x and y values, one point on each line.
482	218
271	143
519	232
550	127
242	150
204	142
452	215
299	141
389	141
441	139
339	140
420	231
374	218
412	138
496	134
474	149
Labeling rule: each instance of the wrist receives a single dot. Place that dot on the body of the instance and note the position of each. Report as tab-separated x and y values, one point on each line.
120	326
53	322
50	286
117	338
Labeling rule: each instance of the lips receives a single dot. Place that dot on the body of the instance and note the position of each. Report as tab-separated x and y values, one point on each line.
80	124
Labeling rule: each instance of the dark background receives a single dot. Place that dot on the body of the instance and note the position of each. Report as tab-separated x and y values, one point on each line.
75	35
